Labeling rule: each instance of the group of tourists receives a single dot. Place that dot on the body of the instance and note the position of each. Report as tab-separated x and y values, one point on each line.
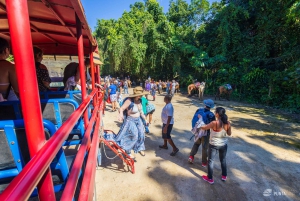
170	87
209	129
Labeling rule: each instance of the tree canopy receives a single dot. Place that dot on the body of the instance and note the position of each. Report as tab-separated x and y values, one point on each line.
252	44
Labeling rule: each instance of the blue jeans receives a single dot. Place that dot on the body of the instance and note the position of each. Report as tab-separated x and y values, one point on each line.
212	152
125	90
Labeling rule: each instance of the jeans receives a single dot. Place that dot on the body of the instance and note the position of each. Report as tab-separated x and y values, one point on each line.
204	141
212	152
125	90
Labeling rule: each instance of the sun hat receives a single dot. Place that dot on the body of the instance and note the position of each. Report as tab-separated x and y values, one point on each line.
97	58
138	91
209	103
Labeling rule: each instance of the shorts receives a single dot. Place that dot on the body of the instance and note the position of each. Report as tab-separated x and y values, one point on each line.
113	97
168	134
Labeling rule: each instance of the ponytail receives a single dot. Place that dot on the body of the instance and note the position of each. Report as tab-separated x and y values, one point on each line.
223	117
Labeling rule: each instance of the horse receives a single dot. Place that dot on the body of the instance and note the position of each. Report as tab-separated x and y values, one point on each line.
225	90
199	87
129	83
164	85
177	88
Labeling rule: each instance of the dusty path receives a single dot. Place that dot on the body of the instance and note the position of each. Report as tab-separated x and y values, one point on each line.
262	154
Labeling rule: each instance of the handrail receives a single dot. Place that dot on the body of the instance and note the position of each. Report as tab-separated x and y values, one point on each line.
71	184
88	181
23	184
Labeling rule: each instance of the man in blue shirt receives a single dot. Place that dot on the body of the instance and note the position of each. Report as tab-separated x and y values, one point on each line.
113	95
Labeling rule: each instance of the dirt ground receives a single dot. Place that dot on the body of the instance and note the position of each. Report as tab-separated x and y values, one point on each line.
263	159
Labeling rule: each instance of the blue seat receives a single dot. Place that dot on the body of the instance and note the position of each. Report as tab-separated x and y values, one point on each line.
56	111
59	94
74	95
15	154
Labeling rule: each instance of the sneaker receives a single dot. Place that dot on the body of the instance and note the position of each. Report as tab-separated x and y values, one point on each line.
224	178
191	159
204	164
205	178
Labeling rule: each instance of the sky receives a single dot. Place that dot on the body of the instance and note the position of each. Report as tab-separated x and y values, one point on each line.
112	9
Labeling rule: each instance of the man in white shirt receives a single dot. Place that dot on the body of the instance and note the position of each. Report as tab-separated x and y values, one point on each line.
167	117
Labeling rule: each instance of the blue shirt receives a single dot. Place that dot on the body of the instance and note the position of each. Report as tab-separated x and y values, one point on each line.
113	89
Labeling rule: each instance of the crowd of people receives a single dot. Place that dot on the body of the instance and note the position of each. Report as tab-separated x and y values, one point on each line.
135	110
209	129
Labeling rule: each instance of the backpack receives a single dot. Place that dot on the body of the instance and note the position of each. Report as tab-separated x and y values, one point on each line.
203	114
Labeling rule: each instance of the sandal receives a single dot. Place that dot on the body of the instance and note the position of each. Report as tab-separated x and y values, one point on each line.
174	152
163	147
142	153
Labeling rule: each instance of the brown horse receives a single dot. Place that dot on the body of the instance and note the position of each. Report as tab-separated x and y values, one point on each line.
198	87
177	88
224	91
191	88
129	83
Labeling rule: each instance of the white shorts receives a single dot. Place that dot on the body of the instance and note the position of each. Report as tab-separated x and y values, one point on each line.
113	97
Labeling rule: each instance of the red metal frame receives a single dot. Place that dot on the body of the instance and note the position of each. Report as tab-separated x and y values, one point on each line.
81	65
118	151
18	19
22	186
73	177
87	186
48	5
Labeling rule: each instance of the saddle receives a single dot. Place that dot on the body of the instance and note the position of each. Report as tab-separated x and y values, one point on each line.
228	87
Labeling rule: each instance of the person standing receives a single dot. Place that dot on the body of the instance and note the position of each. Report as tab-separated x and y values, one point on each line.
167	117
168	87
153	90
220	129
147	88
131	135
208	117
159	87
125	86
173	85
113	95
144	102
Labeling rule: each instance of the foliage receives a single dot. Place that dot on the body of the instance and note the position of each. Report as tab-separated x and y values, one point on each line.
252	44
